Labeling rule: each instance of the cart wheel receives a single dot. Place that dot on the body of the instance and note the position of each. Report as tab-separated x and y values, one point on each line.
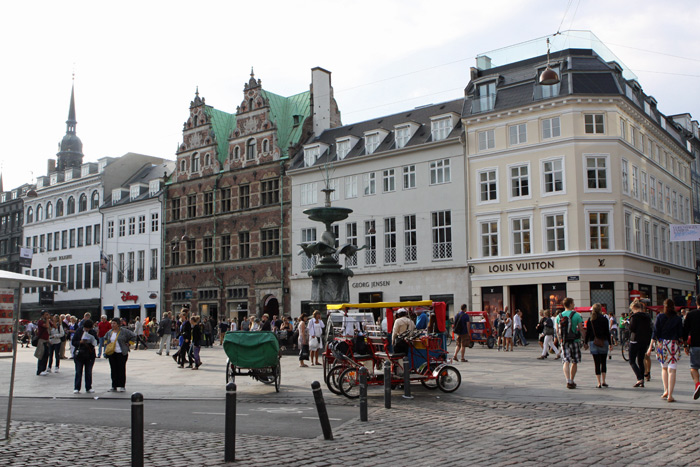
278	376
268	379
490	342
471	344
429	383
349	383
449	379
230	373
332	379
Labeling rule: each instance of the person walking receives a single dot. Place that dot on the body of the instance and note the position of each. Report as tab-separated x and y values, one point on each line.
117	352
548	333
668	333
597	338
303	340
42	347
164	333
569	325
55	334
224	327
508	333
138	330
84	341
315	336
103	328
518	328
640	328
198	340
185	337
691	338
461	330
208	332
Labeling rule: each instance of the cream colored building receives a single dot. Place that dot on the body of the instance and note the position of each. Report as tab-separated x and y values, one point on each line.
571	188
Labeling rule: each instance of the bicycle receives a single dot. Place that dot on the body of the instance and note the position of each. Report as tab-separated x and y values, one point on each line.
625	344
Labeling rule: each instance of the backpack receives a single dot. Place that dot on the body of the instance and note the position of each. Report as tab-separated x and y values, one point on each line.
567	334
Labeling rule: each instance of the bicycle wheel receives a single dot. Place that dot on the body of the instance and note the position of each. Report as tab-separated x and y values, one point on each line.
626	350
449	379
349	383
332	379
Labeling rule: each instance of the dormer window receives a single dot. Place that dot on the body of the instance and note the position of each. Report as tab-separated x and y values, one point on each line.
311	154
85	171
485	97
154	187
135	191
441	126
544	91
371	142
116	195
343	148
403	134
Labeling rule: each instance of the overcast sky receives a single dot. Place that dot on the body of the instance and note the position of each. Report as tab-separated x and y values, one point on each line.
137	63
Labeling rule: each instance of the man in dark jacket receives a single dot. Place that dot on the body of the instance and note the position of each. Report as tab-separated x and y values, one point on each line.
461	330
691	338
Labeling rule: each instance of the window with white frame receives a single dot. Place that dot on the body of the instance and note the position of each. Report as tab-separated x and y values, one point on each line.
308	236
594	123
409	177
628	231
664	243
440	172
351	187
520	227
623	129
110	229
645	187
195	162
597	172
441	128
390	240
334	184
442	234
487	140
674	204
309	193
370	243
599	230
517	134
370	183
555	232
655	239
668	200
660	196
154	222
625	177
142	224
401	135
637	234
132	225
519	181
488	234
311	154
635	182
647	238
342	149
371	142
488	186
553	171
122	227
389	180
551	128
410	239
351	238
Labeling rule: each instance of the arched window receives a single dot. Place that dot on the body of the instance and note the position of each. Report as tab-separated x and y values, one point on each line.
195	162
250	104
250	149
49	210
266	146
95	203
207	160
30	215
183	165
70	207
39	213
236	153
82	203
59	208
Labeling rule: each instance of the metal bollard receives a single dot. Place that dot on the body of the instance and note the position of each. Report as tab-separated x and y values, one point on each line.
363	394
322	412
137	429
230	429
387	385
406	379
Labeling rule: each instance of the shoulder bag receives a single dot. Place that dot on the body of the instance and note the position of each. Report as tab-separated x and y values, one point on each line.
598	342
112	346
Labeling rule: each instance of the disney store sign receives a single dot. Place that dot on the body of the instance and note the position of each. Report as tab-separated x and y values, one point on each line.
126	296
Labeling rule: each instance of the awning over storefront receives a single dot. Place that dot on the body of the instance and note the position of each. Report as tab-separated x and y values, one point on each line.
150	305
129	307
108	308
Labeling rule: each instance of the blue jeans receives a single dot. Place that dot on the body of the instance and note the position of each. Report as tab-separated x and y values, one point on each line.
54	353
519	335
101	346
87	366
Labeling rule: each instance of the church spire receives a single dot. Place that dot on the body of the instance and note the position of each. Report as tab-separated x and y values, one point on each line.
71	122
70	154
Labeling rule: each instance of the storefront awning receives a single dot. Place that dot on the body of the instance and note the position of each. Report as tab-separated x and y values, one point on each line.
108	308
150	305
129	307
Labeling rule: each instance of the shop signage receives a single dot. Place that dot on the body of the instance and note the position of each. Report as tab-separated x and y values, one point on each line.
662	270
60	258
7	303
529	266
361	285
25	257
126	296
572	278
153	296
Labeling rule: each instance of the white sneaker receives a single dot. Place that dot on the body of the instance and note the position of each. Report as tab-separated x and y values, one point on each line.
48	370
91	391
56	370
43	373
121	390
75	391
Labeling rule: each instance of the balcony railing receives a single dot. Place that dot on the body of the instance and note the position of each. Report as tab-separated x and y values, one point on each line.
484	103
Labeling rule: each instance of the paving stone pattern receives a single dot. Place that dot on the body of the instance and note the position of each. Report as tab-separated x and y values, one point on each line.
437	432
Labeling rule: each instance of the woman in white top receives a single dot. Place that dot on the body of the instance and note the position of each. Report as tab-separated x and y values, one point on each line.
315	337
56	332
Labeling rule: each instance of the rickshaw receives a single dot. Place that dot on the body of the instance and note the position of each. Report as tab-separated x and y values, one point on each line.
480	329
427	354
255	354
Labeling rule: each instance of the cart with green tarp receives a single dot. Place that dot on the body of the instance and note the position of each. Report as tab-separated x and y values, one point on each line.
255	354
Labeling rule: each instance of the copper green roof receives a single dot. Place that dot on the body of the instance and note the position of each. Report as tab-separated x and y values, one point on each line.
283	111
223	125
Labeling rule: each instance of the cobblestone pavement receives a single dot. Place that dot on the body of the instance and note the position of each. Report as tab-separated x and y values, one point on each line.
440	432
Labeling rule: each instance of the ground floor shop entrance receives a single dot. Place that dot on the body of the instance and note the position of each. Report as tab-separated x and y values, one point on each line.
524	298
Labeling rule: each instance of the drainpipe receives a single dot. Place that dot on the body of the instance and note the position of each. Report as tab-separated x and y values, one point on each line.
465	140
163	209
282	171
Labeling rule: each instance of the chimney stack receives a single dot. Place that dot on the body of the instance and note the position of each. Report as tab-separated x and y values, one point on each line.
321	97
50	166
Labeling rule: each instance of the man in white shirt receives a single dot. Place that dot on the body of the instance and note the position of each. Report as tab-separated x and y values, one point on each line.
518	327
349	325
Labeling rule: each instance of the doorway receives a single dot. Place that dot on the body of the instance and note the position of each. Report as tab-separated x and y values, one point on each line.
524	298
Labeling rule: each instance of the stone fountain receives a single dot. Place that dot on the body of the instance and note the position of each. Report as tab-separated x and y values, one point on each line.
329	278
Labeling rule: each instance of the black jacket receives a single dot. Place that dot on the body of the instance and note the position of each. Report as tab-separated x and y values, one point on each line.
599	328
640	328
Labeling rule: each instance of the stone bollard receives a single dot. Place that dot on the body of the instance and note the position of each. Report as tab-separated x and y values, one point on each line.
137	429
406	379
387	385
230	428
322	412
363	394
